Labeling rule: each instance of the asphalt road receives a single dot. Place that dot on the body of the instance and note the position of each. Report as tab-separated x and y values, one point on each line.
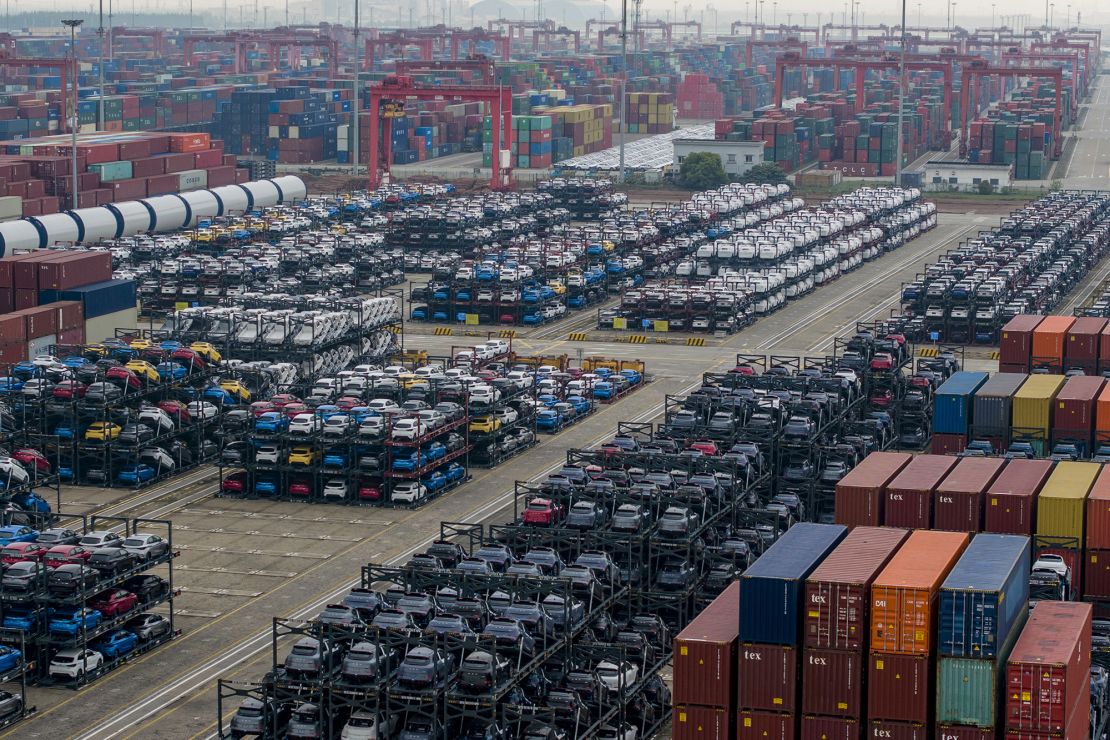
1089	166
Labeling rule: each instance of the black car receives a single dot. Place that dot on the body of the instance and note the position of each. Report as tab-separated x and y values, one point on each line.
111	561
71	578
147	587
23	576
449	553
420	607
341	615
511	633
366	661
481	672
498	556
261	719
135	434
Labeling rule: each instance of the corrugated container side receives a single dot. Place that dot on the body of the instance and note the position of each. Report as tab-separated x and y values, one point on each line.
705	653
1078	728
1063	500
903	596
832	682
772	589
837	613
970	691
830	728
952	402
1016	339
1098	512
1048	341
991	405
765	726
1032	404
1096	574
947	444
1073	415
984	596
1082	343
1011	503
701	723
1102	412
900	687
897	730
963	732
958	505
860	494
768	677
1047	674
909	497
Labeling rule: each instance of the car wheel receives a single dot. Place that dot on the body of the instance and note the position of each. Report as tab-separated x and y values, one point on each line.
80	675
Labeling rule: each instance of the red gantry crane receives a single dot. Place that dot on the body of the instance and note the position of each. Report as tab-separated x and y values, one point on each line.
387	99
157	37
786	44
973	72
500	41
760	30
399	41
292	45
66	70
1016	57
485	67
189	42
561	31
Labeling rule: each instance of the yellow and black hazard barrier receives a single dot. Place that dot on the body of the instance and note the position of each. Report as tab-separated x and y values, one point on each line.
507	334
443	331
577	336
695	342
928	352
996	355
637	339
393	328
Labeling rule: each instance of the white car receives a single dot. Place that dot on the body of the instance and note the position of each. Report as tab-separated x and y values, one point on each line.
267	454
95	539
432	419
12	471
203	410
75	663
506	415
335	488
338	425
482	352
306	423
484	394
409	492
408	428
1054	563
521	379
383	406
373	426
369	726
156	419
146	546
499	346
618	677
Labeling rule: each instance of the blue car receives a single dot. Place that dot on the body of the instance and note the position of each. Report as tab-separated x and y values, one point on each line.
435	451
265	486
441	295
271	422
217	395
455	473
632	376
70	621
10	386
171	370
26	370
64	431
20	618
412	462
419	314
576	301
603	389
439	316
335	458
547	399
31	501
462	295
76	362
532	319
65	472
580	404
170	345
115	644
549	419
132	474
10	659
16	533
327	410
434	481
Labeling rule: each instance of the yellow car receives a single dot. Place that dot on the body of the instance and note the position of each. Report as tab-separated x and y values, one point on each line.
207	351
102	431
486	424
409	381
144	370
204	235
558	287
96	349
607	245
141	344
303	455
237	389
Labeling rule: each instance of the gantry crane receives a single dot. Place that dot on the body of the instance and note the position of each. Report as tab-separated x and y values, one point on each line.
293	45
67	70
486	67
1058	44
560	31
761	30
518	29
500	41
855	29
189	42
156	35
1017	57
387	99
399	41
974	71
787	44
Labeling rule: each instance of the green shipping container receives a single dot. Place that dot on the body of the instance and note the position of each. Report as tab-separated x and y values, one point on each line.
112	171
970	691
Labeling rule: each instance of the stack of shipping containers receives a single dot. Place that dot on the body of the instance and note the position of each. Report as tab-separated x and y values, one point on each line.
1032	411
1073	414
704	689
861	493
991	408
1049	338
1061	507
1011	501
1096	560
952	411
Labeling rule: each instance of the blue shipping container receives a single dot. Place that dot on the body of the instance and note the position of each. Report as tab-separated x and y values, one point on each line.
952	406
984	595
98	299
772	590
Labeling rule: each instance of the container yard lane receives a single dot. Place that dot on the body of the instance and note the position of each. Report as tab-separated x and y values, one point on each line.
1089	165
244	561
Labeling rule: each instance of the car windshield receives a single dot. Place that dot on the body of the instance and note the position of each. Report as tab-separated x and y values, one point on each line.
134	542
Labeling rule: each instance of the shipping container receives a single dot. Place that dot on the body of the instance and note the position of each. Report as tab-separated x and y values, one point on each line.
765	726
1096	573
1047	674
837	609
74	270
1078	728
1073	416
909	497
767	677
860	494
1011	503
964	732
1102	416
958	506
832	682
1062	503
13	328
884	730
947	444
991	406
1016	340
98	299
984	597
900	687
830	728
1048	342
701	723
952	405
1098	512
904	595
1032	410
970	691
705	653
772	589
1082	344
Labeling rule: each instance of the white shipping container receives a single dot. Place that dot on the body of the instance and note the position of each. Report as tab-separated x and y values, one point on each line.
41	345
104	327
294	132
11	206
192	180
273	132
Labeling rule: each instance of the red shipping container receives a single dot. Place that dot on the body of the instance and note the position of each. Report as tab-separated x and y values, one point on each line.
7	267
184	161
1082	343
1047	674
767	677
1015	346
98	153
765	726
964	732
25	299
42	321
148	167
71	315
1078	728
958	506
900	687
838	600
1074	410
133	189
161	185
13	329
1098	512
860	494
705	654
218	176
830	728
1096	574
832	682
701	723
1104	349
132	150
947	444
7	300
25	273
883	730
909	497
1011	500
10	354
74	270
72	337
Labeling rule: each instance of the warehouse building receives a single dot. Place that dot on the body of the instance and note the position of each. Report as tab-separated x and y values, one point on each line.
941	175
737	157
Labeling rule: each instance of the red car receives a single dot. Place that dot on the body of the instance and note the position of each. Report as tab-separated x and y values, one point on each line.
882	361
68	390
346	403
300	487
705	447
543	512
32	458
900	338
236	482
370	490
125	377
60	555
881	398
743	370
19	551
292	409
258	408
487	375
189	358
280	400
113	602
177	411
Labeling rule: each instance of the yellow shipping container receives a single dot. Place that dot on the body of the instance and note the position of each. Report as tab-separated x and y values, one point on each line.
1063	500
1032	404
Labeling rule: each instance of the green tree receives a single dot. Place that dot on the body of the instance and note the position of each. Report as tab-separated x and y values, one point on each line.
701	171
985	187
766	173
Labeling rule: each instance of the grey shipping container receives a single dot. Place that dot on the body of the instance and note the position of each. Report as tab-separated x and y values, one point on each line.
772	590
991	405
984	595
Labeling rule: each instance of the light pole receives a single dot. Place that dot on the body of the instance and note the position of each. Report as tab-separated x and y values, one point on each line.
901	102
357	104
624	106
100	65
1051	12
73	24
992	16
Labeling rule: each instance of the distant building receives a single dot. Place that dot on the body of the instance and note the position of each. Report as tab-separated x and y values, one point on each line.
942	175
737	157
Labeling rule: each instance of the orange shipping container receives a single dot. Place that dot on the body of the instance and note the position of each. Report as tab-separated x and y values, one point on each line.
189	142
1098	512
1102	415
904	596
1048	341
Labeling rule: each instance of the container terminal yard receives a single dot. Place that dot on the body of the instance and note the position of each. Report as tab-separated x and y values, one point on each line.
602	377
